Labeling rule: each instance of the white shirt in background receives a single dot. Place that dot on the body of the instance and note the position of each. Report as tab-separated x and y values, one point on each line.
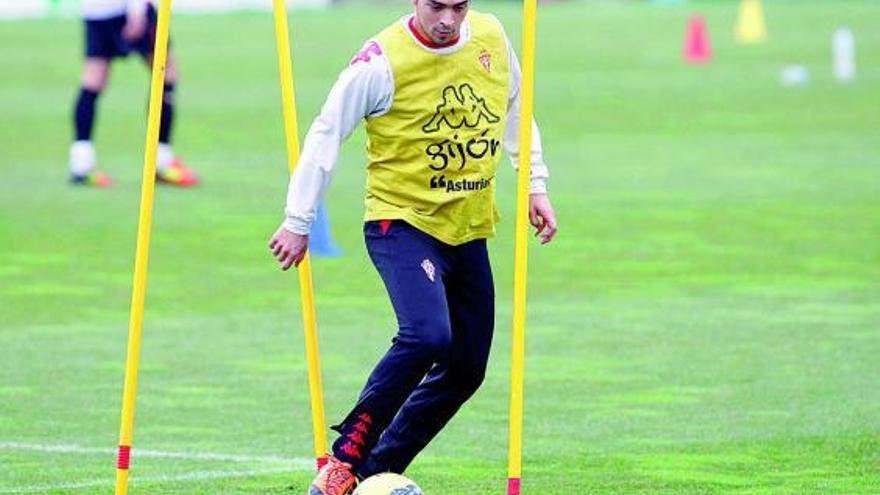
96	10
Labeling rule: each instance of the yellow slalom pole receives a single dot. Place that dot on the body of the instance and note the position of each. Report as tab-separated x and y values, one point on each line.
527	94
305	269
142	253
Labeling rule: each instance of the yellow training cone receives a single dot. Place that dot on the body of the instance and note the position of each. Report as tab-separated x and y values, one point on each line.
750	26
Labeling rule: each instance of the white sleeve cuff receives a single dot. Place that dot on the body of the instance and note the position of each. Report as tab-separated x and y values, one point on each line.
538	185
297	225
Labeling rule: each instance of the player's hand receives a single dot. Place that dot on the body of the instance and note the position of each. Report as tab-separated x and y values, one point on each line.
135	26
288	248
542	217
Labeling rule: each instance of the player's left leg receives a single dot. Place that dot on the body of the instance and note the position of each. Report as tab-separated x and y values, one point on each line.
169	167
471	300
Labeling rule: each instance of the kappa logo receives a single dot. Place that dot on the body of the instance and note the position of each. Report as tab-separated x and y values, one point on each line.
461	106
370	49
429	268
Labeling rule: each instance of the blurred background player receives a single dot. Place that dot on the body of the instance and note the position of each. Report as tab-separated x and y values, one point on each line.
115	28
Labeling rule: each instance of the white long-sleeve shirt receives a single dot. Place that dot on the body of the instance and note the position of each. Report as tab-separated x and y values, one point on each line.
96	10
366	89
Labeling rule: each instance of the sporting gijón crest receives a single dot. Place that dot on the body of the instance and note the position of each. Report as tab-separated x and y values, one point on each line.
486	60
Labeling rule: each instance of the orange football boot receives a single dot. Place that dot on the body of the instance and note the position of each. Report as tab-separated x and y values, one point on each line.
335	478
178	174
92	179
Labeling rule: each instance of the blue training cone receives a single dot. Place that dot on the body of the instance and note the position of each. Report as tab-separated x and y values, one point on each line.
321	242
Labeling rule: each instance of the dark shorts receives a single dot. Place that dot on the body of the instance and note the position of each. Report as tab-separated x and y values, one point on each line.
104	37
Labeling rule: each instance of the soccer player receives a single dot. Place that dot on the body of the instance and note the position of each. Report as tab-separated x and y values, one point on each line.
115	28
439	91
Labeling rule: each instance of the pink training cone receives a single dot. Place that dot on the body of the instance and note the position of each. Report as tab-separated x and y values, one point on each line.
697	47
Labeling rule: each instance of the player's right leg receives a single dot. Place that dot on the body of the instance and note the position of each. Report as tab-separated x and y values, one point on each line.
83	170
100	48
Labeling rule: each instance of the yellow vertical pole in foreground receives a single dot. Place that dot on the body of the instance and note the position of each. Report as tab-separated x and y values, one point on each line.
527	93
307	295
142	253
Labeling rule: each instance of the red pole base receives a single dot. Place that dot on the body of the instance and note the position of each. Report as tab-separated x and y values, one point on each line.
513	486
124	457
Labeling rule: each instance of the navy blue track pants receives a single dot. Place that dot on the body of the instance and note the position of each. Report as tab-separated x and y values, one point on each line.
444	300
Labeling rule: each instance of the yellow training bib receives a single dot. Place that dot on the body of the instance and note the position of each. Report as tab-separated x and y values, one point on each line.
434	155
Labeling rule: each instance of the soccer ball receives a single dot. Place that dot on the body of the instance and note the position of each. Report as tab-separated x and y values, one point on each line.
388	484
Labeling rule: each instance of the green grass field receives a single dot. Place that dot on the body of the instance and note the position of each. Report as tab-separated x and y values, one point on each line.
707	322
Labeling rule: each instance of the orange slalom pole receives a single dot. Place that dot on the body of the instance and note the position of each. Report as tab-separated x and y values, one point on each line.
307	293
527	93
142	253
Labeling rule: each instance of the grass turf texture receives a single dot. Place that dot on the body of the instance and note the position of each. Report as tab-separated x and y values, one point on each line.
706	322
